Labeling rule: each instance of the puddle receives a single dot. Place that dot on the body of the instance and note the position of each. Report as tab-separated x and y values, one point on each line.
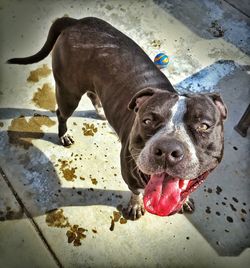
94	181
74	233
22	131
68	172
39	73
117	217
45	98
56	218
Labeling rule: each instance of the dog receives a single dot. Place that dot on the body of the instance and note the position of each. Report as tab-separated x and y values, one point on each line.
170	142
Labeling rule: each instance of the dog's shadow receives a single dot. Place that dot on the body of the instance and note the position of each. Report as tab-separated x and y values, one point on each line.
41	182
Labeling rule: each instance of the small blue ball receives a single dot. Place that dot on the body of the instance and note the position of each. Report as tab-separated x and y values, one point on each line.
161	60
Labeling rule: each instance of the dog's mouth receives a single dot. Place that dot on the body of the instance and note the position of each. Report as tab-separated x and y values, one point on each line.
164	195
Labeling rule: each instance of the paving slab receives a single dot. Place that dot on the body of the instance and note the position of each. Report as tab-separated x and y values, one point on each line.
242	6
20	244
74	194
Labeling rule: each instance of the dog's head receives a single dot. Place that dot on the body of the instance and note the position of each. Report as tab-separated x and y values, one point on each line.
175	141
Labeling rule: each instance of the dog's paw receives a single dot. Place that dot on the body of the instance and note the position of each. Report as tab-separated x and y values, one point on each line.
66	140
135	208
188	206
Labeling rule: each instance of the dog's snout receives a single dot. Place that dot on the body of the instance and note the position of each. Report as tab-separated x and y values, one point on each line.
172	151
175	155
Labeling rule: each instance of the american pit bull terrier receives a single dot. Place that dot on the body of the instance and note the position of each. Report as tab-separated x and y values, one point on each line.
169	142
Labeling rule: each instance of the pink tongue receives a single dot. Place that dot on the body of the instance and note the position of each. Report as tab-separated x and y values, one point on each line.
162	197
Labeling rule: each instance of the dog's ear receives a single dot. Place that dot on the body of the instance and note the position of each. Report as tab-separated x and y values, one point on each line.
216	98
140	97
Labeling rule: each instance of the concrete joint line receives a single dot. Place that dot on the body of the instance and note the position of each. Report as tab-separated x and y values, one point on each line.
29	216
235	7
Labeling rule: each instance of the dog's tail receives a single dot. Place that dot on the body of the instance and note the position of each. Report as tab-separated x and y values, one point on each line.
57	27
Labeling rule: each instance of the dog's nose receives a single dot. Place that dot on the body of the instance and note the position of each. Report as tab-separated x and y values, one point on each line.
172	151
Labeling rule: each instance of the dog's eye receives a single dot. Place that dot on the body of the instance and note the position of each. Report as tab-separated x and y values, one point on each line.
147	121
202	127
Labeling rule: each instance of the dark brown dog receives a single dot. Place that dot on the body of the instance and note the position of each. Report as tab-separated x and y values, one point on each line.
169	142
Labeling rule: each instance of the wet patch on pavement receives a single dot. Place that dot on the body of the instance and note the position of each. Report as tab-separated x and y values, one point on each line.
22	131
39	73
45	98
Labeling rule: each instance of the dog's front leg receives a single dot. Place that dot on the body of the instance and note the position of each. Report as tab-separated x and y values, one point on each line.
135	208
